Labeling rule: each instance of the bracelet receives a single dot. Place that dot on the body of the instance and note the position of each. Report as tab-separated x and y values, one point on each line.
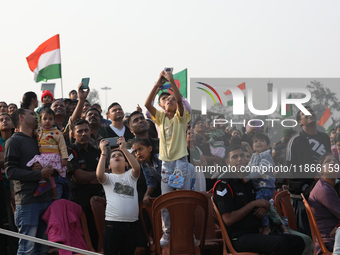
104	154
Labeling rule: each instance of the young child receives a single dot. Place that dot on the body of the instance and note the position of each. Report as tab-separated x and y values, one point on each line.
150	165
172	143
162	100
120	188
52	148
262	181
46	99
73	95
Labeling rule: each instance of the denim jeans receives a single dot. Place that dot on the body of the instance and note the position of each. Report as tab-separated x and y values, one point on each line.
267	194
29	222
168	167
63	190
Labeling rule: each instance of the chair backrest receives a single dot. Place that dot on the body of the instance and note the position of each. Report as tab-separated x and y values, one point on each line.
211	230
85	229
284	208
181	205
227	245
316	236
146	210
98	205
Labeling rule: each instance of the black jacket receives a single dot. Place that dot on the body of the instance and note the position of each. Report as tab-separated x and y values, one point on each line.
127	134
19	150
299	153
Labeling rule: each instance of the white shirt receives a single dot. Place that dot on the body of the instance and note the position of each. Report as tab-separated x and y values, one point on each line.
121	196
119	132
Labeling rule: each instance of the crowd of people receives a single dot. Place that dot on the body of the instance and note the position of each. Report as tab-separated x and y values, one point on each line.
66	149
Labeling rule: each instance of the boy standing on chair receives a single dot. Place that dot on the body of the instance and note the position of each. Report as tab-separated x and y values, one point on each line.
172	143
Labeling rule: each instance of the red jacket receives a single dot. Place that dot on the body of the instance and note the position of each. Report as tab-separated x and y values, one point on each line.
63	224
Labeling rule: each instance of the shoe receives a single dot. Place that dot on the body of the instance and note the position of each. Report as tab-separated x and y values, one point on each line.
42	189
164	242
197	243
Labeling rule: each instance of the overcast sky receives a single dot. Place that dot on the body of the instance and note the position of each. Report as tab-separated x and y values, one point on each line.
125	44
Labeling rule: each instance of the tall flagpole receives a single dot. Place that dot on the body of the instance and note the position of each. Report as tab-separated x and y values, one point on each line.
61	76
61	83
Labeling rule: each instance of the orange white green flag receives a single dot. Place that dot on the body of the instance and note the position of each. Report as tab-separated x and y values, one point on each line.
326	120
228	93
45	61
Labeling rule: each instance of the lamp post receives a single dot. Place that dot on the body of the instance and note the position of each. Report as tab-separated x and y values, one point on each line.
270	92
106	89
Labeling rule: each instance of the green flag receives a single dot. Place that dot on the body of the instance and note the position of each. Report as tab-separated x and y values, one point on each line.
181	83
289	109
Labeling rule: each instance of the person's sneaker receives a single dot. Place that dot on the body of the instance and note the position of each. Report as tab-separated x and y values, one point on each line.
197	243
164	242
42	189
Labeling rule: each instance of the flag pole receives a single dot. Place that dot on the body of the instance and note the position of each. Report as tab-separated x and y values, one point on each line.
61	76
61	84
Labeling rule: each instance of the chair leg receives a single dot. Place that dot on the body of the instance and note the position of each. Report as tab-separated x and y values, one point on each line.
140	251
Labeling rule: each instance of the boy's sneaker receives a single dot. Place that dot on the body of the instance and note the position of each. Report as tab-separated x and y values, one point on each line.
197	243
164	242
42	189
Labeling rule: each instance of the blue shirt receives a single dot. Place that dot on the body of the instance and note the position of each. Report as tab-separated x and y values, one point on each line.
259	164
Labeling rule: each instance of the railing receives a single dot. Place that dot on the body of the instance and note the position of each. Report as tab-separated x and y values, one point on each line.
45	242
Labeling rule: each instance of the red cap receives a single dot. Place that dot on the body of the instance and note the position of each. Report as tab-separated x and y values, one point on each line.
46	93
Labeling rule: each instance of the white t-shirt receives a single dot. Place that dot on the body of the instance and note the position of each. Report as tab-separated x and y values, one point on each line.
119	132
121	196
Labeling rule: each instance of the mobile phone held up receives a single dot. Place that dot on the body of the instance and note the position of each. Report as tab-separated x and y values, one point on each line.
112	141
166	86
85	82
168	69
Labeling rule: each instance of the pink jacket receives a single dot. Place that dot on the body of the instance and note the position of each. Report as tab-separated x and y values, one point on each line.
63	224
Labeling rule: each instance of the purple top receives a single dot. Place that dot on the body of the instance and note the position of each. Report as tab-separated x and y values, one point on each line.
325	205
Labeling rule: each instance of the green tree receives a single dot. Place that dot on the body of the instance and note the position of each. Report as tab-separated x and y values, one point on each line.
322	97
93	97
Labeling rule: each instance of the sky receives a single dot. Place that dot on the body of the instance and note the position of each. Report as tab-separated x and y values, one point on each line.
125	44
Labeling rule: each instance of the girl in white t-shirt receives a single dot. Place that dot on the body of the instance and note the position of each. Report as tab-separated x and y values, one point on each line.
120	188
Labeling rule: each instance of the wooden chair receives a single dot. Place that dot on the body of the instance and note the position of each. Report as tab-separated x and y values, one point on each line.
181	205
284	208
316	236
227	245
98	206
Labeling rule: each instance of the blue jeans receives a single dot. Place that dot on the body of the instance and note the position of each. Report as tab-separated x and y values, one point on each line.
63	190
29	222
267	194
168	167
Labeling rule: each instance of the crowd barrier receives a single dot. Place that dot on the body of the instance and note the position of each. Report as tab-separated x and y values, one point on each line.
45	242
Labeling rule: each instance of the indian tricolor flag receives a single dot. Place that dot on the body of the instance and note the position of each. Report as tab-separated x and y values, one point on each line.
326	120
242	87
45	62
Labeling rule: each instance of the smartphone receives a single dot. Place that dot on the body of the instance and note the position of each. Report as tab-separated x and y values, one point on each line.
168	69
112	141
85	82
